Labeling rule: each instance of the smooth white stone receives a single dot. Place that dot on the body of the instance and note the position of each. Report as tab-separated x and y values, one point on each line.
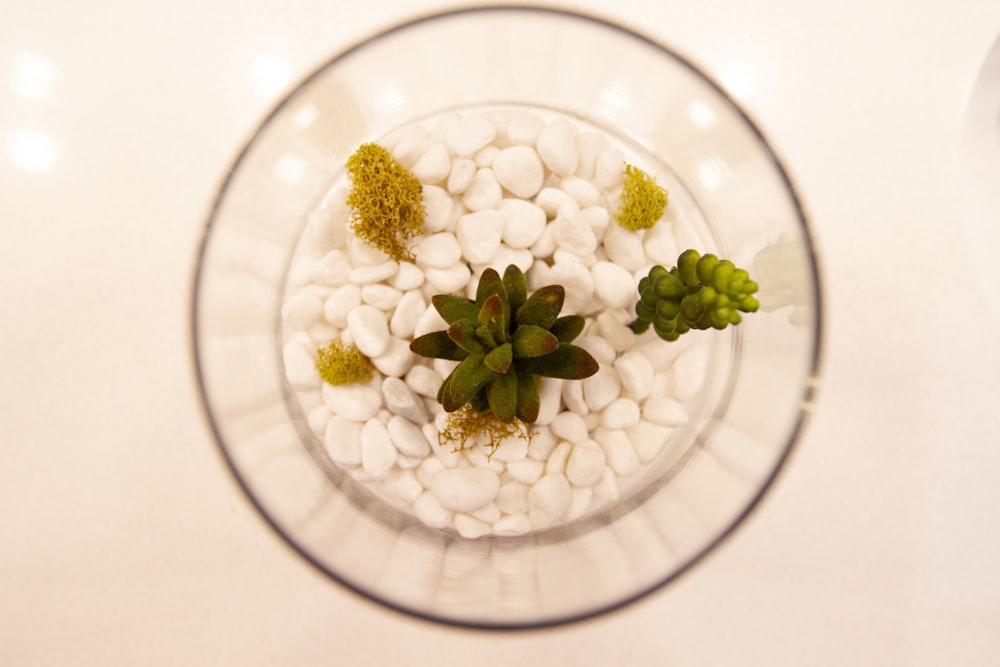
403	485
606	488
401	400
465	489
549	199
543	441
579	502
434	165
378	455
599	349
470	527
569	426
318	418
546	243
665	412
467	135
588	146
613	285
359	253
572	231
484	193
463	172
301	310
548	500
430	321
556	463
342	440
513	497
648	439
523	222
636	374
358	402
438	206
572	396
583	191
450	280
340	303
598	218
613	327
527	470
407	314
585	464
512	524
430	512
601	388
332	269
659	245
485	156
621	455
519	170
549	400
402	133
381	296
519	257
511	450
370	330
409	277
523	129
408	151
625	249
407	437
557	146
609	168
427	469
489	512
689	372
479	234
438	251
620	413
300	367
404	462
373	273
423	380
578	282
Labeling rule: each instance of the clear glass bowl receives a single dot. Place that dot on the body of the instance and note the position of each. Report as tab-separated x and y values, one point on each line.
758	387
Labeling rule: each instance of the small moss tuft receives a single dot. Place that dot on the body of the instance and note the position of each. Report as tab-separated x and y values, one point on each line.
386	200
467	426
642	201
338	364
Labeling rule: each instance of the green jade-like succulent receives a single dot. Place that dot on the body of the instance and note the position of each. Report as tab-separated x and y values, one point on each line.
502	340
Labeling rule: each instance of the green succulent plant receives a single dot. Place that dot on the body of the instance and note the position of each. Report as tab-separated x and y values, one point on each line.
502	340
701	292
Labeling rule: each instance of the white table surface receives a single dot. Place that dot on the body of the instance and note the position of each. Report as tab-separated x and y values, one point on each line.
124	540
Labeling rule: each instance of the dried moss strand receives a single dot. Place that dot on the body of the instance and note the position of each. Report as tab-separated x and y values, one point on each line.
642	201
338	364
466	426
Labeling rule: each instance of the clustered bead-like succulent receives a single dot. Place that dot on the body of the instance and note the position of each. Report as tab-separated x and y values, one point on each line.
502	340
701	292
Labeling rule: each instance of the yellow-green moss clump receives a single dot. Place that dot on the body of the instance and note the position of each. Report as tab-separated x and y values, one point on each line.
642	201
386	200
465	427
338	364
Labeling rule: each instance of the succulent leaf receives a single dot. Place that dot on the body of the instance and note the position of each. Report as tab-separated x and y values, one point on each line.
528	400
567	328
532	341
568	362
465	382
437	345
463	334
517	287
453	308
494	316
490	283
499	358
542	308
501	394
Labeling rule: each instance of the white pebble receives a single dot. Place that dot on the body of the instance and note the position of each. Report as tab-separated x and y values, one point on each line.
523	129
430	321
478	235
484	192
569	426
430	512
302	310
588	146
408	151
511	450
409	277
423	380
378	455
438	206
396	359
433	166
689	372
606	488
598	348
489	512
427	469
550	398
598	219
470	527
342	440
609	168
648	439
369	329
665	412
401	400
407	437
572	396
620	413
403	485
519	170
601	388
556	463
467	135
523	222
572	231
402	133
557	146
585	464
579	502
613	327
465	489
300	367
486	156
408	311
332	269
463	172
353	401
381	296
373	273
505	256
513	497
450	280
512	524
625	249
318	418
577	281
550	199
526	470
636	374
340	303
543	441
614	285
545	245
581	190
659	245
360	253
438	251
548	500
621	455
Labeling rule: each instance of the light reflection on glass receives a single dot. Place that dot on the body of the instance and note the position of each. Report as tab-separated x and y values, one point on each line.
32	77
306	116
701	115
739	77
710	174
269	74
32	151
290	168
390	97
614	100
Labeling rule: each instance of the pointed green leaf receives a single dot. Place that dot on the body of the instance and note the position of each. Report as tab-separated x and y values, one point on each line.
463	334
567	328
479	402
502	396
437	345
453	308
493	315
468	378
489	284
532	341
528	400
542	308
569	362
499	358
517	287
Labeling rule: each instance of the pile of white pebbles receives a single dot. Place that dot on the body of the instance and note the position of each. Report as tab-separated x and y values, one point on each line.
501	187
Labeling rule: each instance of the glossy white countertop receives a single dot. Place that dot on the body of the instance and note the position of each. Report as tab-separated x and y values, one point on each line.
124	539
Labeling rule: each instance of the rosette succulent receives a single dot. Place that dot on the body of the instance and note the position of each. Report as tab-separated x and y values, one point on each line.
502	340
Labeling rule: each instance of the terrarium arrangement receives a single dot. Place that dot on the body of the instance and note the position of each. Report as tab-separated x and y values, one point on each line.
482	327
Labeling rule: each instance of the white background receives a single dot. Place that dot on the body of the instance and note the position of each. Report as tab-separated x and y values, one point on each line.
125	541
